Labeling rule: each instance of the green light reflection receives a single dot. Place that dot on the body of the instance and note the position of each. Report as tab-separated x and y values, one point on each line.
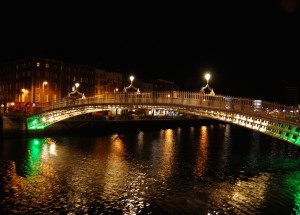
293	184
36	123
34	156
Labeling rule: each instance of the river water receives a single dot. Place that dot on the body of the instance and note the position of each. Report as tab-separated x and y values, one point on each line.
208	169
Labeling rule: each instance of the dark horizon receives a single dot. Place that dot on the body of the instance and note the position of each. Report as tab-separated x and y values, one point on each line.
253	52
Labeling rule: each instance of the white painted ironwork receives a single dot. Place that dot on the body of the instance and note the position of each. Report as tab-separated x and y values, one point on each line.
277	120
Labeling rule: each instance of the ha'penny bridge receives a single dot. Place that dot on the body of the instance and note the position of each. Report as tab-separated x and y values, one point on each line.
277	120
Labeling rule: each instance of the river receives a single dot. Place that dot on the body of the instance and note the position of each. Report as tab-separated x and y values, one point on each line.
205	169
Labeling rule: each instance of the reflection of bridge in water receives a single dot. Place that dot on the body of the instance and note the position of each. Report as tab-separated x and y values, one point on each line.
277	120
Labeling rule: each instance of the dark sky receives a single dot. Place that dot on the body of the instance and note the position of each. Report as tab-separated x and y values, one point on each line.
250	49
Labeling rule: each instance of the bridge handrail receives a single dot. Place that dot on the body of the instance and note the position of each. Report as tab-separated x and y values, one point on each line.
184	98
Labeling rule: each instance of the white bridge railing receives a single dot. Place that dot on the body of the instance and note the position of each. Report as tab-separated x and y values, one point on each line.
277	120
248	106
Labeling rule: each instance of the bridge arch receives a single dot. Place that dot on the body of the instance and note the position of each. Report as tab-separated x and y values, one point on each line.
276	120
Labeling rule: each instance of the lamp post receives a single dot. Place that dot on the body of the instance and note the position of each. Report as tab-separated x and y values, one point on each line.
23	92
207	77
44	83
131	79
76	85
116	90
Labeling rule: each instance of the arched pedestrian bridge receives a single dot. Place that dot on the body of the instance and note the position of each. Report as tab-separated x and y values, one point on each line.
277	120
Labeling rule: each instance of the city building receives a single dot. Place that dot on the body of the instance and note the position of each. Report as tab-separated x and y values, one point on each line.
30	80
107	82
33	81
164	85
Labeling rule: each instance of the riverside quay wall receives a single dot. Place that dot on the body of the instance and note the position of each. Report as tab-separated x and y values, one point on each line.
12	126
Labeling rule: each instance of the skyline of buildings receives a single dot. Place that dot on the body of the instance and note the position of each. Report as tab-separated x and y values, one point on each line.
36	80
41	79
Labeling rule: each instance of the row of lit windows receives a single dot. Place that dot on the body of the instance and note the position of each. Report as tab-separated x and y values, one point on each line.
38	74
38	64
21	85
46	86
23	74
81	79
82	70
45	98
38	98
5	87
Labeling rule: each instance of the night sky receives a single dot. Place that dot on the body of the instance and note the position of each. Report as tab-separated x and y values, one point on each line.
250	49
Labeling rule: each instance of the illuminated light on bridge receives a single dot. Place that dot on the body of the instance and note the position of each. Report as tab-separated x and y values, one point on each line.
271	119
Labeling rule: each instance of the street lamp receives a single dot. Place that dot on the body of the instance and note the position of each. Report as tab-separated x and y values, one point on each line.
116	90
207	77
131	78
76	85
131	86
44	83
23	92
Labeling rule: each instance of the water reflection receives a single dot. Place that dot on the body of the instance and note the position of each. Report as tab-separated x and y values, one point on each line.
167	141
244	196
196	170
202	154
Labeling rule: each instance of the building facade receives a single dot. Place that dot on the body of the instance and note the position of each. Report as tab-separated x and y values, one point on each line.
33	81
107	82
164	85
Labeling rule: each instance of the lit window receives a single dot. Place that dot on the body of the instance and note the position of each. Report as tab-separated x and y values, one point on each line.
47	65
37	64
37	97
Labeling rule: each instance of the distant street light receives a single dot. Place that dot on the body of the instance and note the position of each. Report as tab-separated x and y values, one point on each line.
23	92
116	90
76	85
131	78
44	83
207	77
131	86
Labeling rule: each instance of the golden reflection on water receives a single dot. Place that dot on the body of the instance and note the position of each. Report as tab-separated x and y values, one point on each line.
121	184
115	173
225	152
202	154
167	158
242	197
33	190
140	141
